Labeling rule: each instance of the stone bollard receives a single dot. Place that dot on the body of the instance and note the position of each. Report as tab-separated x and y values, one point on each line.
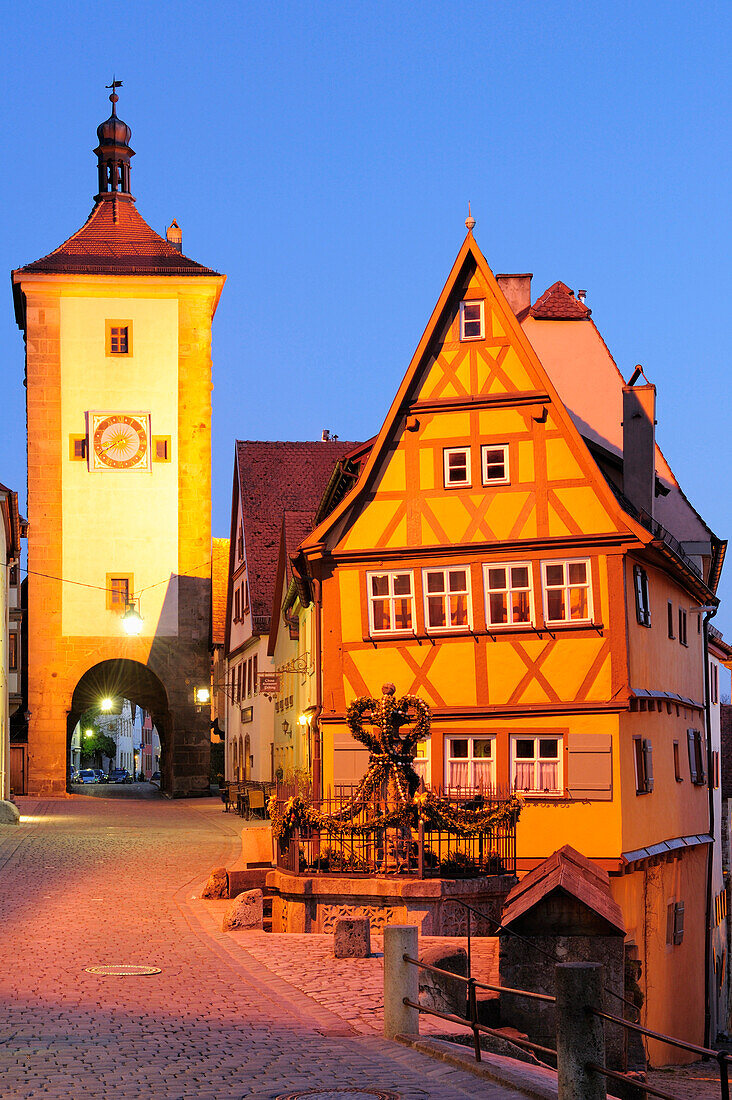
352	938
580	1035
246	911
400	980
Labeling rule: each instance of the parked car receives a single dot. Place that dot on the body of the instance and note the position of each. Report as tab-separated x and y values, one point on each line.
119	775
155	775
87	775
102	777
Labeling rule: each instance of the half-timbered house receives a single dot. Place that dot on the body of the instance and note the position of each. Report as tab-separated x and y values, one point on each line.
517	551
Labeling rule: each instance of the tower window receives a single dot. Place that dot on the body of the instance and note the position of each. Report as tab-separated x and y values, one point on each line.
77	448
161	448
119	591
119	337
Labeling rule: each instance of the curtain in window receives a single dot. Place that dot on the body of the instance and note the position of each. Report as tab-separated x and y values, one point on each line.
548	775
524	778
483	773
458	773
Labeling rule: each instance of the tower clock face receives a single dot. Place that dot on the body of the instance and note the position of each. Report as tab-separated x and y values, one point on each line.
120	441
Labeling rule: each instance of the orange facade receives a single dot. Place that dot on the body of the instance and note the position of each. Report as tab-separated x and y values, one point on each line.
485	561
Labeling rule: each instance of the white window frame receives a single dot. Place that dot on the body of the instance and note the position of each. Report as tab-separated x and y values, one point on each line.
535	792
423	764
566	587
508	590
391	597
472	302
470	759
448	628
447	451
485	448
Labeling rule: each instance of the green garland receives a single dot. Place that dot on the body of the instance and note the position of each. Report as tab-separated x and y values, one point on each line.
399	726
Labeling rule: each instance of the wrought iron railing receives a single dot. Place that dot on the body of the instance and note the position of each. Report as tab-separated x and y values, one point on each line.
354	845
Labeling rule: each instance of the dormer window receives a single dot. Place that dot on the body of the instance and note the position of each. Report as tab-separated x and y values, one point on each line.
472	320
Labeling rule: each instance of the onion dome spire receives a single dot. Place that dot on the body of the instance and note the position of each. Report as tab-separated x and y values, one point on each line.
113	152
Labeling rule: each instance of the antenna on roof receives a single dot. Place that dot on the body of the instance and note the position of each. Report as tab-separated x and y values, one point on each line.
469	221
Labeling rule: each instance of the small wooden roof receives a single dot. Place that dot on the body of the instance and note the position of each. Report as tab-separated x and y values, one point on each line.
565	871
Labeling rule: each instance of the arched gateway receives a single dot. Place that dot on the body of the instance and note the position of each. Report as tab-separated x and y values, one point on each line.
117	325
124	679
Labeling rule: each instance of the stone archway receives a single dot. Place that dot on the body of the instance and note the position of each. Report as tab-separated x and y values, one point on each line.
121	678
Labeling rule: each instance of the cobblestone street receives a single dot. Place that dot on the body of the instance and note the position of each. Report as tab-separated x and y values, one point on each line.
88	881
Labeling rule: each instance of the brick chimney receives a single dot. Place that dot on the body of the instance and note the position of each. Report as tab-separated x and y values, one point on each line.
174	236
517	291
639	443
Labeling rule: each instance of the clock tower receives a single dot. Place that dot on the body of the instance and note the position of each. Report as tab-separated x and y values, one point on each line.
117	325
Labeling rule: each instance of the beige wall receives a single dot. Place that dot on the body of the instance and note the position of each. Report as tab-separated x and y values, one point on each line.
124	521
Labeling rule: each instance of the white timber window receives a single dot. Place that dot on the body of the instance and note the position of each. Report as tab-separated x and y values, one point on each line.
422	761
642	598
536	765
472	318
391	602
447	598
509	594
494	463
470	762
456	463
567	591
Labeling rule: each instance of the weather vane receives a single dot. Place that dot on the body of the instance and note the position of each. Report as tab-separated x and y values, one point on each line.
114	97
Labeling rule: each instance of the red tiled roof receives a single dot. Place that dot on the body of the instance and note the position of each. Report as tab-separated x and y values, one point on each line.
277	477
116	240
558	303
219	584
572	873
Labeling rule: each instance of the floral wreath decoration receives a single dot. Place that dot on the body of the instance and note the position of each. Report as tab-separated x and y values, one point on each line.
399	726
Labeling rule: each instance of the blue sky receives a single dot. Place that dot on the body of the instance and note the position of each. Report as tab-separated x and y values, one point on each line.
322	155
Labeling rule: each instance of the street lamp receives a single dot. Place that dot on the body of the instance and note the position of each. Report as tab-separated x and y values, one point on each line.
106	704
88	733
132	620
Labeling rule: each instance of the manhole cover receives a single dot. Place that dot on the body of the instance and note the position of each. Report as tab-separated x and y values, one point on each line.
338	1094
122	971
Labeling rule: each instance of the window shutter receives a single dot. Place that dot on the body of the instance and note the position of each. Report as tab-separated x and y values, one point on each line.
678	922
692	755
590	766
648	764
701	770
642	607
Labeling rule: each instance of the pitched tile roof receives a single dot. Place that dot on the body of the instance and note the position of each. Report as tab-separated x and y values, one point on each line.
116	240
568	871
219	585
276	477
558	303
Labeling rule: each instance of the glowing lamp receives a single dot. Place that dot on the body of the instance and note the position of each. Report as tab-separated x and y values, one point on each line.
202	696
88	733
107	704
303	720
132	621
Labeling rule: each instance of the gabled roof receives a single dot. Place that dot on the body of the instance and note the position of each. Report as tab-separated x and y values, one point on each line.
569	872
115	240
469	258
219	584
295	526
274	477
11	519
558	303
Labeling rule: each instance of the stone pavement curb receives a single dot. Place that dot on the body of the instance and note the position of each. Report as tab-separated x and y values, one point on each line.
533	1081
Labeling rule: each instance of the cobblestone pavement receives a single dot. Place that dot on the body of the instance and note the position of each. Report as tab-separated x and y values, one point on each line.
105	877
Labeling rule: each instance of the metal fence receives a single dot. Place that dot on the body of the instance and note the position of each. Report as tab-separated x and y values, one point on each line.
353	845
574	1050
